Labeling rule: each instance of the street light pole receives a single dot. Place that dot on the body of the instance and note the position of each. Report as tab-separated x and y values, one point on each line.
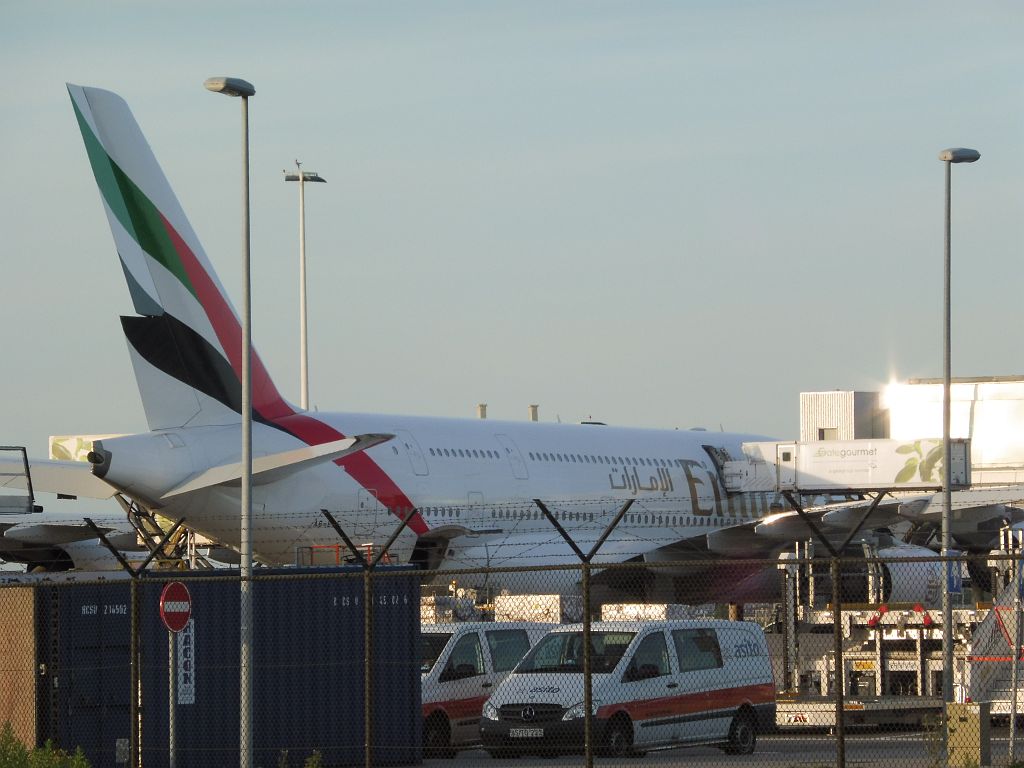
231	86
302	177
948	156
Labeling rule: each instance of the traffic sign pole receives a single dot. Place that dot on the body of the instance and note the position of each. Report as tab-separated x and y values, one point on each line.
175	611
172	704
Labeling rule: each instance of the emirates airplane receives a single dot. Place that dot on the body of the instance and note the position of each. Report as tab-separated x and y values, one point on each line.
467	486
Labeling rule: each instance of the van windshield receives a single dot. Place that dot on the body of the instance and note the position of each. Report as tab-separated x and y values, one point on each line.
563	652
431	645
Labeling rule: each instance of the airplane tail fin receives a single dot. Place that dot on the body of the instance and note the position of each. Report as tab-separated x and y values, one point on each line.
186	343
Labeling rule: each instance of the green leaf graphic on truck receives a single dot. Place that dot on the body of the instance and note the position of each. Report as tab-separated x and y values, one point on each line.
924	462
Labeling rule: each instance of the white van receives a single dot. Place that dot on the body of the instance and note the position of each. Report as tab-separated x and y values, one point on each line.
654	685
460	664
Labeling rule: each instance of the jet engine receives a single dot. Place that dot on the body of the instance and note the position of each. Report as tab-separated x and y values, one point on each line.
871	574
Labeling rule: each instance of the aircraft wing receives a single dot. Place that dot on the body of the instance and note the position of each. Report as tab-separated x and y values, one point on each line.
68	478
976	514
51	534
976	518
58	541
767	536
757	539
964	504
267	469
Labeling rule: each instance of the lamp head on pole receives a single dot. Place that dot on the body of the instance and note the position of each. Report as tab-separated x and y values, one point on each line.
959	155
230	86
305	176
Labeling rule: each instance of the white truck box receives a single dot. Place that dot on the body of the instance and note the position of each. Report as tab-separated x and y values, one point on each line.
833	466
552	609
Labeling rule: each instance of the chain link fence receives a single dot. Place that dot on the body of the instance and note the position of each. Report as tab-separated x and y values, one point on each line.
372	666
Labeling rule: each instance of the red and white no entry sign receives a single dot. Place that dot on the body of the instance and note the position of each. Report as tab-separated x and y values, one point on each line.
175	606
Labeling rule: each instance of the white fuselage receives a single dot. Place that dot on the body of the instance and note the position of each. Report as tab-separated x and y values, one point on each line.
472	482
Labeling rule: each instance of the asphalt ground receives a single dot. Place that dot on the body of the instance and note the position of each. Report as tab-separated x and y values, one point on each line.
900	749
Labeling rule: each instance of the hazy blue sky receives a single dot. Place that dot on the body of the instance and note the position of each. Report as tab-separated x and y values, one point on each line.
656	214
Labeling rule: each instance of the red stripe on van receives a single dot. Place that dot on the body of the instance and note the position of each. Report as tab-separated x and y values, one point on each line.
691	703
459	709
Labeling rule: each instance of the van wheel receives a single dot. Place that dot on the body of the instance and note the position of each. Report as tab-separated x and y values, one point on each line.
618	737
742	735
437	742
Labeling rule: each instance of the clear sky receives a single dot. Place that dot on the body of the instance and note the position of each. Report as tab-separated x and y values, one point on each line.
656	214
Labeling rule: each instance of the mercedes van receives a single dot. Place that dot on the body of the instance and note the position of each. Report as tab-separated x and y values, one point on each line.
460	663
655	685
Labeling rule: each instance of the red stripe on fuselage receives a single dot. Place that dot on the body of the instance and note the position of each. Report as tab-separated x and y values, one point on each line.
267	401
361	467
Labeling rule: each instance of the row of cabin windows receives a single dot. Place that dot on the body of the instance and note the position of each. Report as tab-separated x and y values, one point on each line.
574	458
464	453
505	513
586	458
441	511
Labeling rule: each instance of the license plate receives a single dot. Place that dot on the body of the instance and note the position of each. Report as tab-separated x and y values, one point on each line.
525	733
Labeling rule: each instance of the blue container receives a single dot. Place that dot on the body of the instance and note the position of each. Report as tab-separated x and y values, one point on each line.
84	634
307	657
308	667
